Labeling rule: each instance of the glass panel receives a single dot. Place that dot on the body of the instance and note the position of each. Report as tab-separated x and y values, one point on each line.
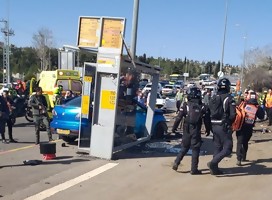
76	86
64	83
131	111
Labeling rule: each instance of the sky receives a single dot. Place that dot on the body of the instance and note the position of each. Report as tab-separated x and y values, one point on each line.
166	28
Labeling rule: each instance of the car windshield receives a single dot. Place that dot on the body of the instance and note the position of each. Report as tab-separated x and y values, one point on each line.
76	102
76	86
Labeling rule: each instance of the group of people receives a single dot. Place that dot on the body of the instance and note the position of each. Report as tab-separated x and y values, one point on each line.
218	115
39	106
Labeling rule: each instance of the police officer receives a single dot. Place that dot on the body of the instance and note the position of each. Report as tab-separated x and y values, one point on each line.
193	111
253	110
4	115
39	106
221	127
11	107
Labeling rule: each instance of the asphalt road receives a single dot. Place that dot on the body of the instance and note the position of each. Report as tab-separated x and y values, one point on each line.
142	172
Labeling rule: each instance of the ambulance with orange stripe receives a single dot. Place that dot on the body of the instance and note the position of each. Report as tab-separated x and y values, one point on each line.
49	80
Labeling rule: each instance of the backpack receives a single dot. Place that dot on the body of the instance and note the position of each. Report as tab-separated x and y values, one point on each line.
240	117
217	107
194	113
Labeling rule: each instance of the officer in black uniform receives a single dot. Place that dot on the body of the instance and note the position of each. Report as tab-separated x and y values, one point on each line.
39	106
194	112
4	116
221	128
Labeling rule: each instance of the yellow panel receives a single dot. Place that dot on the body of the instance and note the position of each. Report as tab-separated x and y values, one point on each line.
111	34
88	30
85	104
108	99
88	78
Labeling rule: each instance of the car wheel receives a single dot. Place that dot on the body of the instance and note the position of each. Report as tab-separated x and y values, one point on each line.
160	130
68	139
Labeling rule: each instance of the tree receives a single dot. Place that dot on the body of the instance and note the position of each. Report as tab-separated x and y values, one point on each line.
256	71
43	41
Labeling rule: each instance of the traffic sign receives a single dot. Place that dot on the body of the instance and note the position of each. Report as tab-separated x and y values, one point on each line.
186	74
220	74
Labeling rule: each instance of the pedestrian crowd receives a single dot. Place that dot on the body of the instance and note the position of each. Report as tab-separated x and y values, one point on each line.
38	103
218	112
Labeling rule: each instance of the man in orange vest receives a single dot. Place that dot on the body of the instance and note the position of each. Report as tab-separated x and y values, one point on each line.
268	105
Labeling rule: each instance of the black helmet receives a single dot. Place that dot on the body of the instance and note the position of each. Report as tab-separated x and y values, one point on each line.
193	93
224	84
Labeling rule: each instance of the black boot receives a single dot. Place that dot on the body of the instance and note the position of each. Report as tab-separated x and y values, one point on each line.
244	157
214	169
175	166
238	163
196	172
11	140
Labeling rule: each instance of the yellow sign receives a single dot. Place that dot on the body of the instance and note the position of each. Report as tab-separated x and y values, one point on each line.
106	61
111	34
88	79
108	99
89	29
85	104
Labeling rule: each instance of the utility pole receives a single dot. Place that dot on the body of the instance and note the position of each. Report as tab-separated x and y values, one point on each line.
6	51
244	61
224	37
134	28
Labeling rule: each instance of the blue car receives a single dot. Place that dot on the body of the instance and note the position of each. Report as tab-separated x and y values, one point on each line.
66	120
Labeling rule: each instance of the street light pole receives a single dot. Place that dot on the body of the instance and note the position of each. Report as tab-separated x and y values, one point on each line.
224	38
134	28
244	61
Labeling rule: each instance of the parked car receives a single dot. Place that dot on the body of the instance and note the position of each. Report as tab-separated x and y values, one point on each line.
66	120
208	82
190	84
179	84
166	104
142	83
147	88
169	90
164	82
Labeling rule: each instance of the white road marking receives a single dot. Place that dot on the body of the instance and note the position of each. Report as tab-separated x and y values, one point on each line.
63	186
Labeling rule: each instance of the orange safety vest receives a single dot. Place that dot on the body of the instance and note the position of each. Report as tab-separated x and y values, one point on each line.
268	101
251	111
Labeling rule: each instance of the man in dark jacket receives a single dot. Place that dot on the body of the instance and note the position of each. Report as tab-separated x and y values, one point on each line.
10	105
194	112
39	106
4	115
253	110
223	113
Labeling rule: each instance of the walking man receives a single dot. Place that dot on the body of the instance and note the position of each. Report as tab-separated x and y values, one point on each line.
193	111
222	108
